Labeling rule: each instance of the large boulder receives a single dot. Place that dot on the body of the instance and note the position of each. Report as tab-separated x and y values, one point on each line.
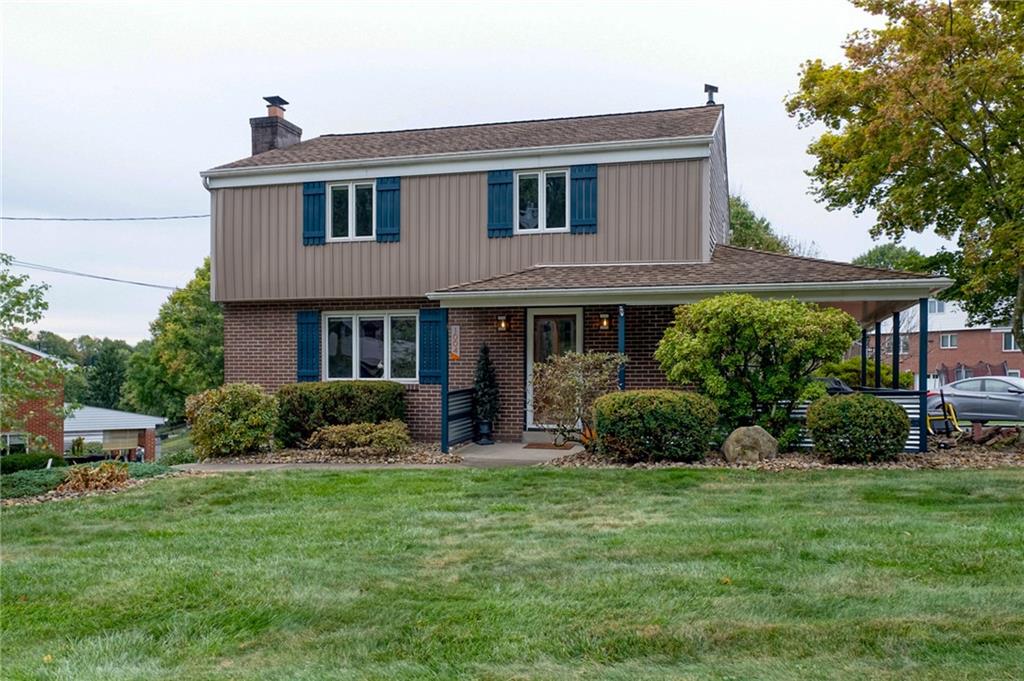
750	445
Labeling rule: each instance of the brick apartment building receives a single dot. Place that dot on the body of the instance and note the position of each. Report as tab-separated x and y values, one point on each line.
956	349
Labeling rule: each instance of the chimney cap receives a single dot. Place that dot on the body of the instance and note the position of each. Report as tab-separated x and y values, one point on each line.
274	100
711	90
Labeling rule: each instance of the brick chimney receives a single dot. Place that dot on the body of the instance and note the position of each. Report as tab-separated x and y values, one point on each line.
273	131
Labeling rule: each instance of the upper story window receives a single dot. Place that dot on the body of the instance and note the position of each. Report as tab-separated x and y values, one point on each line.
542	201
352	214
936	306
1009	342
371	345
947	341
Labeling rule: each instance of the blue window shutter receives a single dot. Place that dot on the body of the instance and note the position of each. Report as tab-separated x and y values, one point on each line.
499	204
307	345
314	213
583	199
433	345
389	215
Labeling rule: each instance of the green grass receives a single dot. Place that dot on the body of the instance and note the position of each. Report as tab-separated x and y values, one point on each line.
524	574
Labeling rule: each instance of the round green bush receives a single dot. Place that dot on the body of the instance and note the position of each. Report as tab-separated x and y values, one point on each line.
234	419
858	428
28	461
651	425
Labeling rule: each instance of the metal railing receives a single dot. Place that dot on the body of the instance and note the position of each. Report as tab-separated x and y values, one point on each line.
914	402
460	416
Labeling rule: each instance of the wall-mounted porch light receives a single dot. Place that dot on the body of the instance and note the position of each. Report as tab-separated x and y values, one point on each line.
502	323
605	322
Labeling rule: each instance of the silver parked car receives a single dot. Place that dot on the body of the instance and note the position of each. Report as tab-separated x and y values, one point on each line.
986	398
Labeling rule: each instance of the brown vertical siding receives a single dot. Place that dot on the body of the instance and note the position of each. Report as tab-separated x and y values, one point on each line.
646	212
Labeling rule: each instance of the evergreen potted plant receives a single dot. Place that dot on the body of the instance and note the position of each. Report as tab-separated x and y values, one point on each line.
485	396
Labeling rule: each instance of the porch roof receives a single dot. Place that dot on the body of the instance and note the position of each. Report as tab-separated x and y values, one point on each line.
867	293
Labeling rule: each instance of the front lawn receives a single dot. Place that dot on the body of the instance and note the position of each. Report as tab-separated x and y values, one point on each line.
523	573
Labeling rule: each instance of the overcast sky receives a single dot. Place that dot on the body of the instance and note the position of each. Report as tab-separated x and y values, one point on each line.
113	109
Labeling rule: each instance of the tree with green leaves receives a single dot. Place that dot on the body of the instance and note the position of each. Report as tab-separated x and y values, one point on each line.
106	373
924	123
23	377
893	257
186	354
753	357
747	229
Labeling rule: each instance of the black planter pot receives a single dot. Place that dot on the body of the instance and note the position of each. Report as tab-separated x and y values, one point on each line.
483	429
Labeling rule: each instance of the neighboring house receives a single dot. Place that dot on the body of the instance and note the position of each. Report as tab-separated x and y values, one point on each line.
39	416
119	432
395	255
955	348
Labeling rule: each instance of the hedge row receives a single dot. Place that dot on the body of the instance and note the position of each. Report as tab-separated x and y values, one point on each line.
304	408
650	425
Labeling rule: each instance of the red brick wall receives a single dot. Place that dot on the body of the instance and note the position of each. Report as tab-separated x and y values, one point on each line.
41	416
973	346
645	326
508	352
259	347
147	440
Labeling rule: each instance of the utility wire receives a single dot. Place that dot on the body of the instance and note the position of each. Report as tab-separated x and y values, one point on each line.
60	270
130	219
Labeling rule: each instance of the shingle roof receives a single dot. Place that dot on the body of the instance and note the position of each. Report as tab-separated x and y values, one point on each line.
644	125
728	265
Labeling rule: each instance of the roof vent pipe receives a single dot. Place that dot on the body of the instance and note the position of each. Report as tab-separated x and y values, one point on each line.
711	90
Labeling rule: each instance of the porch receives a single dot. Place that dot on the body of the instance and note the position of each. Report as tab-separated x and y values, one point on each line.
524	317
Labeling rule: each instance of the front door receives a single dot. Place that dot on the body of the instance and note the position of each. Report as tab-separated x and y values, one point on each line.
550	332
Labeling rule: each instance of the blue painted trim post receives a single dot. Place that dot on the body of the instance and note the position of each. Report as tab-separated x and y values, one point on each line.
444	384
621	328
878	354
896	350
863	358
922	368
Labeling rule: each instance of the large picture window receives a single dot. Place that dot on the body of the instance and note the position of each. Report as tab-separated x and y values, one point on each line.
542	201
371	345
352	211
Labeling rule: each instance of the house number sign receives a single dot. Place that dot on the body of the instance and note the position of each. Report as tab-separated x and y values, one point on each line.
454	343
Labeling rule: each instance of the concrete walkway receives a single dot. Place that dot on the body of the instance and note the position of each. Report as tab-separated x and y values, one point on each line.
499	455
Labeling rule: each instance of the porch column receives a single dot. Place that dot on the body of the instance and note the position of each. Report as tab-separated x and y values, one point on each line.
863	357
878	354
896	350
621	327
922	367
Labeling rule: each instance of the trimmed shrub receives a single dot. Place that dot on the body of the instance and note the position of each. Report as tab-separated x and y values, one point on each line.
652	425
304	408
858	428
178	458
389	437
12	463
233	419
848	371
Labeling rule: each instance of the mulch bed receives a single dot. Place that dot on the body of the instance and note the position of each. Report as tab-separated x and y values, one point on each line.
960	457
418	454
55	495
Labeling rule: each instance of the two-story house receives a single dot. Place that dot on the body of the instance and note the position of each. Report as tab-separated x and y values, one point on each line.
395	255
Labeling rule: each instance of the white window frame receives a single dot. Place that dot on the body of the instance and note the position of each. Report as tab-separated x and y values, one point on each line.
936	306
369	314
904	345
351	210
1013	342
952	341
5	440
1013	373
542	199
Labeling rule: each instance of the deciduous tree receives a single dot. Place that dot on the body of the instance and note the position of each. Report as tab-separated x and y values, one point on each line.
924	124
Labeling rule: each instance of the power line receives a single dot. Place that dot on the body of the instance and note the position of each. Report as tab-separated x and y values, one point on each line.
126	219
60	270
